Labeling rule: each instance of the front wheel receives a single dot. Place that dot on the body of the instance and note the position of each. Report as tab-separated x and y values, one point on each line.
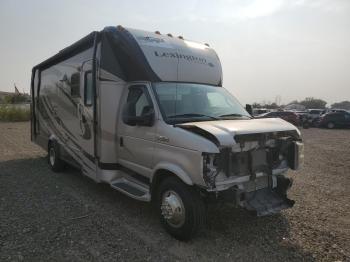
55	162
182	210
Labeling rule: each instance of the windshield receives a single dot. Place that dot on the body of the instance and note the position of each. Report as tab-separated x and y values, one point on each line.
182	102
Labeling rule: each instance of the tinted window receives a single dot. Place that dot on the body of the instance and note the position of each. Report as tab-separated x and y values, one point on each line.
75	84
274	114
88	89
138	102
316	112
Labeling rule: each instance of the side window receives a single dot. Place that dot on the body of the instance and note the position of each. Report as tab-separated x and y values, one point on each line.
74	84
88	96
138	104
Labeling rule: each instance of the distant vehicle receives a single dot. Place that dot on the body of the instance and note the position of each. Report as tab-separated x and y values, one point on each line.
301	114
315	113
335	119
338	110
259	111
289	116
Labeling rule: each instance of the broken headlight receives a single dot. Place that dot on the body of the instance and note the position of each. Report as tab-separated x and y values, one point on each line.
210	168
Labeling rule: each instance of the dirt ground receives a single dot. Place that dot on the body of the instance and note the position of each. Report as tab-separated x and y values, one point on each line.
46	216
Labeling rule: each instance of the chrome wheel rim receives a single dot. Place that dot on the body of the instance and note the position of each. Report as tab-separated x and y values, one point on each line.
52	156
173	209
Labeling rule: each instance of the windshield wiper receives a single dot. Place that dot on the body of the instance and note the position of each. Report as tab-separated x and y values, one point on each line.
193	115
234	115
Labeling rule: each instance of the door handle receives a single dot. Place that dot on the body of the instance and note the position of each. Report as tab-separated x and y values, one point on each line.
121	141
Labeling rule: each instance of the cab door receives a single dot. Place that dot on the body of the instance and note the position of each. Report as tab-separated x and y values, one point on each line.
136	133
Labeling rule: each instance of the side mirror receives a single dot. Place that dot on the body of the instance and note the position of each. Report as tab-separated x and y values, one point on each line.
75	85
249	109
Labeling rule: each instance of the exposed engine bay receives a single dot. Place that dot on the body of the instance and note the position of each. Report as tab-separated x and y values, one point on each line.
250	173
254	157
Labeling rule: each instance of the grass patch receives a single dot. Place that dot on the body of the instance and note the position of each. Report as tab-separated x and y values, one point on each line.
12	113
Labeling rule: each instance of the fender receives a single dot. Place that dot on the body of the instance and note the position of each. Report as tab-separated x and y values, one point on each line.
178	171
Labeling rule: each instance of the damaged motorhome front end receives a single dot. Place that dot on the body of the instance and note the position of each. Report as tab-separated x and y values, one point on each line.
253	157
147	114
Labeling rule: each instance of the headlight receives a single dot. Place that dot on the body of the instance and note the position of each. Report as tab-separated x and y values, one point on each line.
210	168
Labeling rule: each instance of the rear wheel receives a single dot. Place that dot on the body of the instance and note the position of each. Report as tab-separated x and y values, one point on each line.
54	160
330	125
181	208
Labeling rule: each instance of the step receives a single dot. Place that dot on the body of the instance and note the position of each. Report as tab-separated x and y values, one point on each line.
132	188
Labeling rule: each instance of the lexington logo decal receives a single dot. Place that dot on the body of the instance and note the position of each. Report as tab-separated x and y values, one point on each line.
189	58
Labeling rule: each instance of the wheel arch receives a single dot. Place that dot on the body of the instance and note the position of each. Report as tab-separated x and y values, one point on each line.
168	170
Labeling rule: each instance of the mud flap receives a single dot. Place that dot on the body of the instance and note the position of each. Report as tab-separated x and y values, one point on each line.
266	202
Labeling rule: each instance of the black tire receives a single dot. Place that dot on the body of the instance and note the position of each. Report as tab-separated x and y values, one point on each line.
53	157
330	125
194	209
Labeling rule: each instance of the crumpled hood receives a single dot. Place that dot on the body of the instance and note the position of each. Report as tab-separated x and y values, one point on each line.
226	130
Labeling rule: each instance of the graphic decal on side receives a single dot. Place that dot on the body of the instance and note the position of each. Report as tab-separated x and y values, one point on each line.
153	41
83	123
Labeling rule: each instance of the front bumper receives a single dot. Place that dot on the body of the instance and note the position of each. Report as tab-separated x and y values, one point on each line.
262	202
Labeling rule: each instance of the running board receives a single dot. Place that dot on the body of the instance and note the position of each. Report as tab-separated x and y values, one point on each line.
265	202
132	189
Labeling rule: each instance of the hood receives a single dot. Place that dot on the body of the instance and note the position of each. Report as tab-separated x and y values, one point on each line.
225	130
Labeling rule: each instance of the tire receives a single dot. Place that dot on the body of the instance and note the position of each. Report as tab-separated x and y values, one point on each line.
330	125
53	158
185	222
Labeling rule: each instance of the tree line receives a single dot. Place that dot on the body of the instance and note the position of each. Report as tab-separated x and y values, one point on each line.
309	102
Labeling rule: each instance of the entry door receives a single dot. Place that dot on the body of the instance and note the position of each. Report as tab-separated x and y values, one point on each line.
85	110
136	141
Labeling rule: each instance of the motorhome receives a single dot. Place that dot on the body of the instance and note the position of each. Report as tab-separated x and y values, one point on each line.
147	113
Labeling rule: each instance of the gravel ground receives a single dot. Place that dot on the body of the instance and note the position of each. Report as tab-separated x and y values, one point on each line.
67	217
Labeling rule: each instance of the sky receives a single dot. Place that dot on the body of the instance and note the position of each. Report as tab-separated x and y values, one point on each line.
270	50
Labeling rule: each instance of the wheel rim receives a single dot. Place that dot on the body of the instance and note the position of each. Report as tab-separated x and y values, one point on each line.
52	156
173	209
330	125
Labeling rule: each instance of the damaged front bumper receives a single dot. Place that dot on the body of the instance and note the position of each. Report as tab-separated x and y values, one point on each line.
261	202
250	174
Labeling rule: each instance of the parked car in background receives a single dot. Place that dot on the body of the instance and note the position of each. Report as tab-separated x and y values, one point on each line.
259	111
338	110
301	115
315	113
289	116
335	119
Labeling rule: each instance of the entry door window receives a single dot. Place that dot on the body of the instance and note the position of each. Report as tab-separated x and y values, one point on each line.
88	94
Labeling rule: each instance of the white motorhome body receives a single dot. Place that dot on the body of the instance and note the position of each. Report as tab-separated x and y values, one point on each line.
130	108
